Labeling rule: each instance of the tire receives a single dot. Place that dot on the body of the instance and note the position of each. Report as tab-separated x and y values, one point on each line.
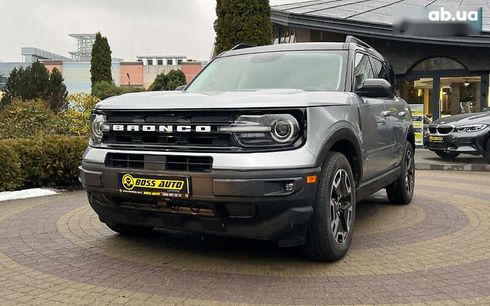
130	230
486	154
401	190
331	226
447	155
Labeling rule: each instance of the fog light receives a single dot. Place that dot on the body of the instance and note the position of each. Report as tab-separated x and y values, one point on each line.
289	187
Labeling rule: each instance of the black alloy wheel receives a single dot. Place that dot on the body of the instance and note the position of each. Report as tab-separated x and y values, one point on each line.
401	190
341	206
331	226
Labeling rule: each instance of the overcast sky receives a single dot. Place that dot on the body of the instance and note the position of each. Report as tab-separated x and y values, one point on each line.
133	27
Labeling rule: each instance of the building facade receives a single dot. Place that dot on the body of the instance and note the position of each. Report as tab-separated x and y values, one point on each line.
443	75
76	70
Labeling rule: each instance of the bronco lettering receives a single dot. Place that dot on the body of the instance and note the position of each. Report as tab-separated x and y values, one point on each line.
161	128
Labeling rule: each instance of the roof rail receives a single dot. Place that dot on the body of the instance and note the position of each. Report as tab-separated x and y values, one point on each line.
353	39
242	46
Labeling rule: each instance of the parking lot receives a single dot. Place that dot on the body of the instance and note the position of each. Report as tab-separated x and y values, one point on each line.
437	249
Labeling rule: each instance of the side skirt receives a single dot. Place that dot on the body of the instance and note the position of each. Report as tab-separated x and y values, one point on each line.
365	189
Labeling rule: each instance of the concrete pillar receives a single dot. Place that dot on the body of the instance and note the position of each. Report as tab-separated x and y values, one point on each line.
484	91
435	98
455	98
477	97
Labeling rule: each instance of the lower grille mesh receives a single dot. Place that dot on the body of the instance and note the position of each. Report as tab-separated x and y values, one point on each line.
159	162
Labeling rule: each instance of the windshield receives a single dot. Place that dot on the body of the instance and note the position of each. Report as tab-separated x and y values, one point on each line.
306	70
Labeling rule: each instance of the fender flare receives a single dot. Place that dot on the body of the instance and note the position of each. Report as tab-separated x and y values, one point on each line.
410	135
342	133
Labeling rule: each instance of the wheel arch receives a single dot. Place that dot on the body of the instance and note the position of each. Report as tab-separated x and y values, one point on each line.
411	136
344	141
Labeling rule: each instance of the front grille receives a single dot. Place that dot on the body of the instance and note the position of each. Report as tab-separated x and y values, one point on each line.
154	139
164	130
441	129
445	129
159	162
230	211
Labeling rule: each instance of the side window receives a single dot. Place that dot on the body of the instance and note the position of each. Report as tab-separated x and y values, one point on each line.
379	69
362	70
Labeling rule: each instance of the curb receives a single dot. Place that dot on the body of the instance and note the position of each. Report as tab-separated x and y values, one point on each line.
452	167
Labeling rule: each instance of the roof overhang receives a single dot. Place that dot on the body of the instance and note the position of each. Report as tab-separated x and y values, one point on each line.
374	30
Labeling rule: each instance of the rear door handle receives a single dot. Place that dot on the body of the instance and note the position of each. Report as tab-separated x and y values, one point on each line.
386	113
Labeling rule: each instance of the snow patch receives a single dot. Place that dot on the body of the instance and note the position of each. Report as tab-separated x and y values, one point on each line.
26	193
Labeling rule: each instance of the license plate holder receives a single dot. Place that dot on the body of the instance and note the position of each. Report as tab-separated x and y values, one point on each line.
436	139
151	185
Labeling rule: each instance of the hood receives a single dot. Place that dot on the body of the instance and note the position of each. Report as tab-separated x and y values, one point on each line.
465	119
162	100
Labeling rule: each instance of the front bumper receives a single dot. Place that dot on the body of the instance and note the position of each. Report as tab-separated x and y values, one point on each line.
462	142
249	204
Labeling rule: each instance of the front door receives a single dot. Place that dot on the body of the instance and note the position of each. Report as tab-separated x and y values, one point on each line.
375	124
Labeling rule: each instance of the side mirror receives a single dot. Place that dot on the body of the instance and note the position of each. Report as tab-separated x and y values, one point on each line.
375	88
180	88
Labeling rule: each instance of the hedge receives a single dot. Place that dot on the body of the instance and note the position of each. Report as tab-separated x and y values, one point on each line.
22	119
10	170
48	161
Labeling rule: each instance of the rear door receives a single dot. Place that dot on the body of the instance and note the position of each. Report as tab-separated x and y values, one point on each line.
376	132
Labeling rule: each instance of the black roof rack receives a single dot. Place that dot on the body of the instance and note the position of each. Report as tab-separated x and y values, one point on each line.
355	40
242	46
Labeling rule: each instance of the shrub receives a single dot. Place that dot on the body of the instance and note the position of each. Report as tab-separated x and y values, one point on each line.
11	174
160	83
23	119
48	161
130	89
76	120
170	81
104	89
176	78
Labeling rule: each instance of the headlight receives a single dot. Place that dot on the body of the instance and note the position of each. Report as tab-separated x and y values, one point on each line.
97	128
470	128
264	130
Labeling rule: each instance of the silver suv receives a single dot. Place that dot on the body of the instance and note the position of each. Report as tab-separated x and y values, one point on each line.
276	142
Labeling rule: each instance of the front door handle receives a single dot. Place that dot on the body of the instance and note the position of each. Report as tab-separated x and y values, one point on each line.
386	113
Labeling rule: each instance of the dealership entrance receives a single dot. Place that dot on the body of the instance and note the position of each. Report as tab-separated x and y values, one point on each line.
444	87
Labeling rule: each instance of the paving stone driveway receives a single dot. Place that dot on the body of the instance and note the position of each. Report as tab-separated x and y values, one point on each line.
53	250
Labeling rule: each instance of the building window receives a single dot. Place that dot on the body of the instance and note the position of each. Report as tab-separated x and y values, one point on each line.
150	62
140	60
284	36
179	62
160	62
170	62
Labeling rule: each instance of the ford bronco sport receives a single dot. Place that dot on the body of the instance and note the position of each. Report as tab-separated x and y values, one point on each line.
276	142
